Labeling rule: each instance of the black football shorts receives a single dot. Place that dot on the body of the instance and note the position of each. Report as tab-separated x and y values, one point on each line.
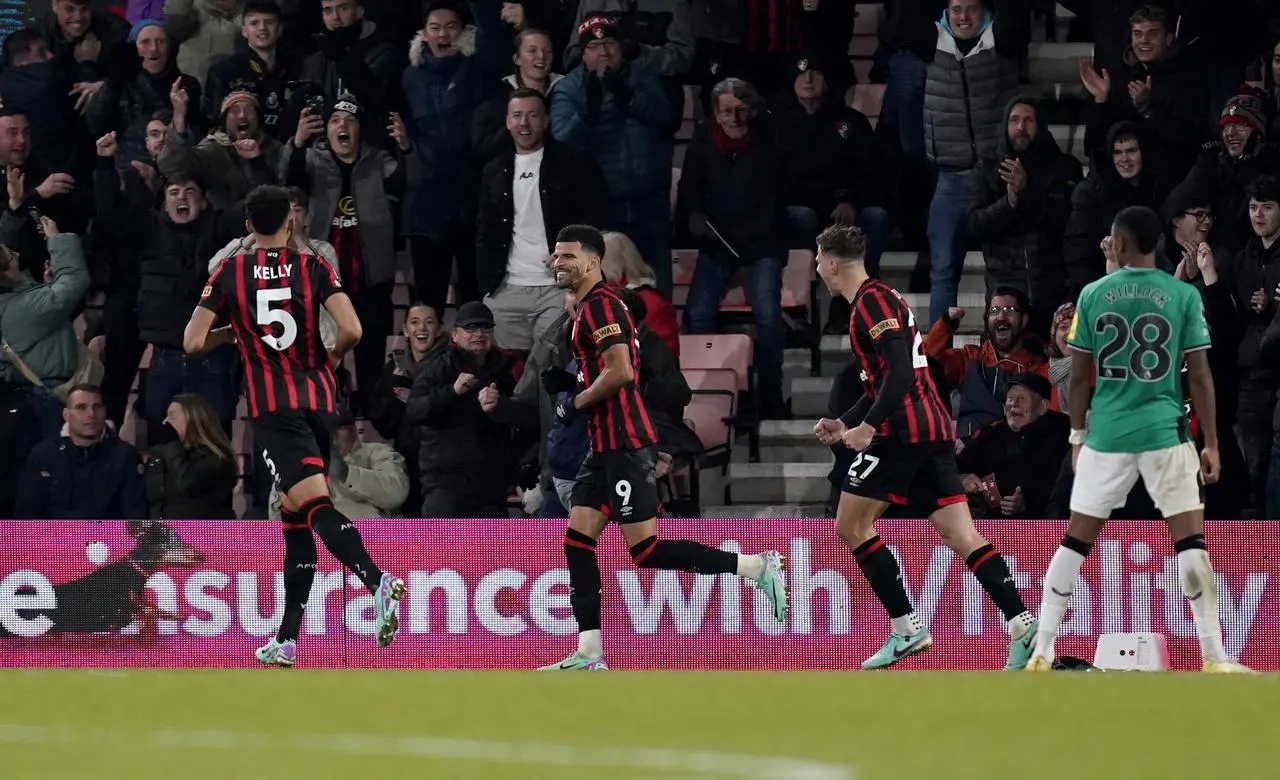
620	484
294	443
921	473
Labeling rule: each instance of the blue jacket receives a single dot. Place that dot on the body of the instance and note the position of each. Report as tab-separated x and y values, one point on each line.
630	143
440	96
100	482
567	443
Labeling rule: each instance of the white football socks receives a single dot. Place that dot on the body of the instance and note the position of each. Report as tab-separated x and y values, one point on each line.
589	643
750	566
1059	582
1195	573
909	624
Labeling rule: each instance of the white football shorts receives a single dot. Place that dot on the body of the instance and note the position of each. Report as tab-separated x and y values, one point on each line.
1104	479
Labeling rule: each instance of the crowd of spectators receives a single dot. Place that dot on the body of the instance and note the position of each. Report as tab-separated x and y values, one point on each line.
462	135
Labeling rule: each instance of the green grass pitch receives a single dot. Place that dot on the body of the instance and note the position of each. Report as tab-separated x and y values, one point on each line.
280	725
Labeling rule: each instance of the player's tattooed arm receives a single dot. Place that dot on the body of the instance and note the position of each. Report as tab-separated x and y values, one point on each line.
617	374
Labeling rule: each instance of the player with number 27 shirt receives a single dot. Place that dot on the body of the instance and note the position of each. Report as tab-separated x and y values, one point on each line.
273	296
902	432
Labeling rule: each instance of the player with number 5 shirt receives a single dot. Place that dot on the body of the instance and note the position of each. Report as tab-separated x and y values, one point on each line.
902	432
617	480
273	296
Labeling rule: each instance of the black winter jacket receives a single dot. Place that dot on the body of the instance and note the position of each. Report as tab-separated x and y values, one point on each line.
572	190
1100	197
189	483
1023	245
1029	459
1223	179
57	132
1175	120
742	194
127	105
833	155
102	481
173	258
246	70
463	447
1255	268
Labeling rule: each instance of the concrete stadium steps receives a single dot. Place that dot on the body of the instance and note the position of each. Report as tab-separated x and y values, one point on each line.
779	483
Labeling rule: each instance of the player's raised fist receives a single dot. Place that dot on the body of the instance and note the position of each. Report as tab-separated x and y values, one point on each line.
859	438
1210	465
828	431
955	313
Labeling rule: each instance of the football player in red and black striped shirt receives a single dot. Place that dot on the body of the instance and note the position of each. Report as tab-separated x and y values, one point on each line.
273	295
617	480
902	432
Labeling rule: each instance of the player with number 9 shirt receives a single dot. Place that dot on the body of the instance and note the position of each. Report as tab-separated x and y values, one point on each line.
273	296
1133	329
617	481
906	451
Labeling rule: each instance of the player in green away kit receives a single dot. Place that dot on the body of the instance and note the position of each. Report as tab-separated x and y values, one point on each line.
1133	328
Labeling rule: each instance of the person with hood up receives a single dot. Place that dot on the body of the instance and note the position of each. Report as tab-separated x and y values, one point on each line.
453	69
1161	89
490	138
205	32
974	70
32	85
1228	166
1126	172
231	160
1019	204
355	56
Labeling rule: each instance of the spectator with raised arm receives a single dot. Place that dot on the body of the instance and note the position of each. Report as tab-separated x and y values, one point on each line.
84	473
354	185
618	111
526	197
205	32
38	344
172	244
232	160
88	46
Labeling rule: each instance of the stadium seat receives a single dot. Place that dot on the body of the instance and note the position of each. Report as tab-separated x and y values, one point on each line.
394	343
683	262
863	46
720	351
675	184
96	345
868	18
241	438
714	405
400	295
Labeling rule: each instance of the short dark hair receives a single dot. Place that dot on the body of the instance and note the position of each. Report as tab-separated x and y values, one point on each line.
634	302
267	207
1142	226
1150	13
1264	189
590	238
163	115
266	7
84	387
845	242
422	305
300	197
1004	291
20	42
529	93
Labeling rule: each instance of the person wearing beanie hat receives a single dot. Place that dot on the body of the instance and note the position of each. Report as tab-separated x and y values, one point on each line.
141	25
1243	122
667	49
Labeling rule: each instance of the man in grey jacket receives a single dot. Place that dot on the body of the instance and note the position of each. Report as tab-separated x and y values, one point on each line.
353	185
973	74
35	317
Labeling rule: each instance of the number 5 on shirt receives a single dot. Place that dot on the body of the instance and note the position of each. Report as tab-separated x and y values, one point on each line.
268	317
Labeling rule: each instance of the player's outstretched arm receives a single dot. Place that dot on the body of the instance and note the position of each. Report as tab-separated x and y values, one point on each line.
617	374
200	336
348	324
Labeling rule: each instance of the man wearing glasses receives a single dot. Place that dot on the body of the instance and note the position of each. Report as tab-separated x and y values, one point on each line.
466	456
979	373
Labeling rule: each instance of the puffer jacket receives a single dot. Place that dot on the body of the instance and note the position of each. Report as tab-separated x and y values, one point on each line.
965	94
1255	268
629	142
440	97
1100	197
376	484
1223	179
1022	245
207	34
